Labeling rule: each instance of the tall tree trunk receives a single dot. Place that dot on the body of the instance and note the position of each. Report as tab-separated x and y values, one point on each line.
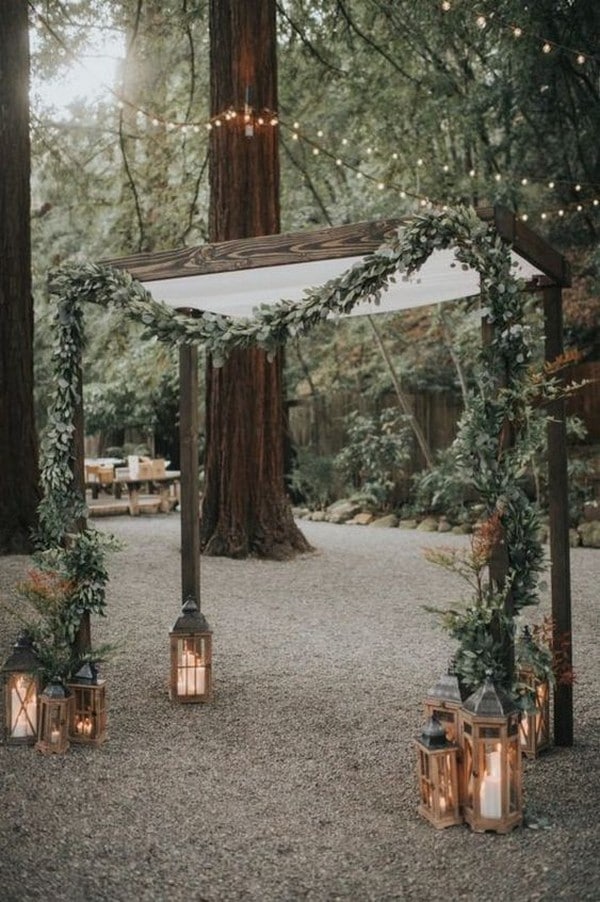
19	486
245	509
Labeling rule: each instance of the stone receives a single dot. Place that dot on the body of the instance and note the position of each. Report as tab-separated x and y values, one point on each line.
343	510
390	520
591	511
407	524
443	525
362	519
429	524
318	516
590	534
574	538
462	529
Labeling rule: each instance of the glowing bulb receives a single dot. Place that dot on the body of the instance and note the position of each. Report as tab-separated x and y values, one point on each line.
579	208
369	150
423	202
294	137
320	133
196	129
209	126
546	48
218	123
260	120
403	194
419	162
561	212
523	181
381	186
316	151
578	187
394	156
596	201
517	32
524	217
274	121
446	6
551	184
481	21
580	59
183	129
472	173
359	175
446	168
338	162
344	141
498	177
155	122
296	125
543	216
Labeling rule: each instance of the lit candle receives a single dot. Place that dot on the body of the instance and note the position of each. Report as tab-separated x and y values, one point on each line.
490	797
54	736
79	725
87	726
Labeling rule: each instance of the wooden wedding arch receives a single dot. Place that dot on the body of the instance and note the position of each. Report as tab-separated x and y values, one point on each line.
232	277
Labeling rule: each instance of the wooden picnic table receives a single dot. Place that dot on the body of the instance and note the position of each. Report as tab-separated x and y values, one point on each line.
167	487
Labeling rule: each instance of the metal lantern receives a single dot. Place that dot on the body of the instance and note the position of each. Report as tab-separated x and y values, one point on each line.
191	645
87	718
437	768
53	727
535	724
444	700
491	762
21	689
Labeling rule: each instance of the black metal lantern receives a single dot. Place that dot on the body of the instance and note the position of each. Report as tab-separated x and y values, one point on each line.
491	764
437	769
21	690
87	718
191	653
444	700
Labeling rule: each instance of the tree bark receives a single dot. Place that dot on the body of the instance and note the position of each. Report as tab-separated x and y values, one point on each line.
19	475
245	509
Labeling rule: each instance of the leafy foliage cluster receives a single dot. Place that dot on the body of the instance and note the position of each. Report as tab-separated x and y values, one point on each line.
377	448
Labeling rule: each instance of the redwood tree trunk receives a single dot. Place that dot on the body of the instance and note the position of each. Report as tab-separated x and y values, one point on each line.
245	509
19	489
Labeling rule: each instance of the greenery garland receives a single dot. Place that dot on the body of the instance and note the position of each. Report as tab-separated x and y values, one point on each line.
491	467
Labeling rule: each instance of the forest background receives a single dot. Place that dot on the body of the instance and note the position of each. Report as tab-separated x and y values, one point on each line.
384	108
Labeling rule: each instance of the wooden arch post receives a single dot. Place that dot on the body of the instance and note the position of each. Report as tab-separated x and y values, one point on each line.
558	492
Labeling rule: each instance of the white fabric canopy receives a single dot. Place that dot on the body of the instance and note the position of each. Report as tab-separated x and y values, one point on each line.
237	293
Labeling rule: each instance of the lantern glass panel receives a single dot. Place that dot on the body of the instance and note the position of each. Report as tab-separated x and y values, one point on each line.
22	705
191	665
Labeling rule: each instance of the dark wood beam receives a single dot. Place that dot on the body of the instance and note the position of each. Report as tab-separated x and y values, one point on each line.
189	497
353	240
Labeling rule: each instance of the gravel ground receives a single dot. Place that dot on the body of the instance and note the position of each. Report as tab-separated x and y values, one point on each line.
298	780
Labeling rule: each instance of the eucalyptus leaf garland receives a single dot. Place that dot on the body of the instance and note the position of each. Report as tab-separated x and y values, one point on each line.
504	361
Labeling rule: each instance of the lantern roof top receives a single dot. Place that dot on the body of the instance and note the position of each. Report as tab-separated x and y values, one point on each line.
191	619
490	700
23	658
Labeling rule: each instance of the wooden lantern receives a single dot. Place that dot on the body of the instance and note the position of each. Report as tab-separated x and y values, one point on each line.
53	727
535	725
437	768
191	652
87	718
21	690
444	700
491	762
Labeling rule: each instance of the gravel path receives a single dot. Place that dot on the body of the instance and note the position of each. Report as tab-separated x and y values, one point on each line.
298	781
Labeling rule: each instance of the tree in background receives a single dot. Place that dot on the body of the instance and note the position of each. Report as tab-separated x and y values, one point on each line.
245	509
19	492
